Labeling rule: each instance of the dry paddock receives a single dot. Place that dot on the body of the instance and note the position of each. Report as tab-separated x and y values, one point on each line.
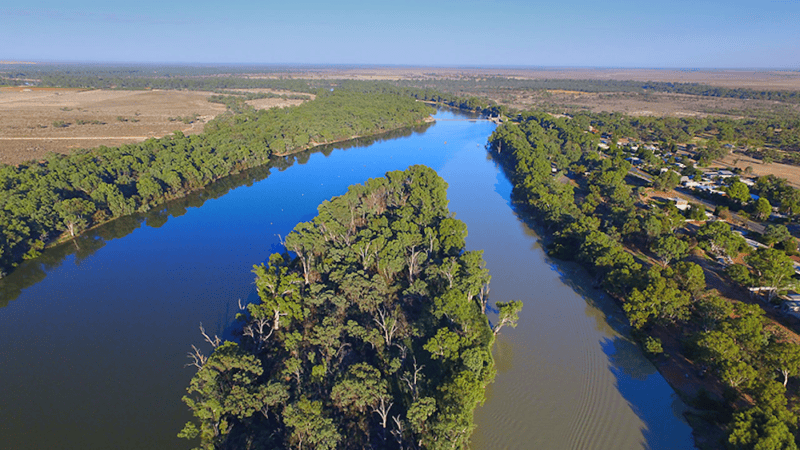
35	121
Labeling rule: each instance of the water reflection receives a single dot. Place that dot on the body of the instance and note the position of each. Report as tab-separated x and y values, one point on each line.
34	271
575	380
112	333
636	380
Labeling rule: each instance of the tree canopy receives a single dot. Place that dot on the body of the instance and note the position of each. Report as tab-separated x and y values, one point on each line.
371	336
41	199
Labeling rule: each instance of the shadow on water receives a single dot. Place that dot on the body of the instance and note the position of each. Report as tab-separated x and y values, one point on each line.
33	271
636	383
636	378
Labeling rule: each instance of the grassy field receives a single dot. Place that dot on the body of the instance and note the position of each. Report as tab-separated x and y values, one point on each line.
35	121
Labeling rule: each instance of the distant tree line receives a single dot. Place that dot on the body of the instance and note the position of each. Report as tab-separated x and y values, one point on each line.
228	77
471	84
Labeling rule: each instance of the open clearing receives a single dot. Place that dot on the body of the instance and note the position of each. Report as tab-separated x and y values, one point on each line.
742	161
35	121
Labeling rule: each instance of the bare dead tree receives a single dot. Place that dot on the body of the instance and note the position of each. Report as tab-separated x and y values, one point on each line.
403	351
431	241
365	254
276	320
197	357
214	342
255	329
412	257
382	409
449	269
413	379
341	353
483	297
455	435
397	432
387	323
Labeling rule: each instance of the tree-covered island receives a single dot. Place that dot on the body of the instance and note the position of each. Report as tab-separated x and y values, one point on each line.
373	335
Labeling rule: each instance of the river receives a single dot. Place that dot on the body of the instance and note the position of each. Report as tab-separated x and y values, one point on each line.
94	334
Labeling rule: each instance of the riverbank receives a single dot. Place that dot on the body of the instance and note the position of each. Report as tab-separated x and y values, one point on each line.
65	237
133	296
676	369
87	188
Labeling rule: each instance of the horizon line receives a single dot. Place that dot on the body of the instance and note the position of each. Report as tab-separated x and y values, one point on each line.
44	62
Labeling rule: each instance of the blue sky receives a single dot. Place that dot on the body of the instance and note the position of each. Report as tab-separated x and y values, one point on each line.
564	33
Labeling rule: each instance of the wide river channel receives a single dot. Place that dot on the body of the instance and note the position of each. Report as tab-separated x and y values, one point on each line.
94	334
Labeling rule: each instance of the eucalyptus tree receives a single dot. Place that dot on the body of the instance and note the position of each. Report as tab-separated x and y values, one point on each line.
371	333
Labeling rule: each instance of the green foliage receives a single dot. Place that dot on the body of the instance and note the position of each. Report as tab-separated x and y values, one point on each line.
696	212
776	233
594	224
739	192
653	345
75	213
310	426
660	301
371	335
771	268
718	238
778	192
666	181
670	248
756	429
224	389
762	208
38	199
508	314
690	278
784	358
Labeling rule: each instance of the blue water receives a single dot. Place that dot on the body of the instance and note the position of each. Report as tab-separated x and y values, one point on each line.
93	340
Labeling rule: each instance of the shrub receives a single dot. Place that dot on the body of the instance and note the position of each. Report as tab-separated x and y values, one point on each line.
653	345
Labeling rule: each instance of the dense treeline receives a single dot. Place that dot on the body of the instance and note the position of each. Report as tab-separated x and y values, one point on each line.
236	101
27	275
714	132
219	77
471	84
779	132
469	103
593	215
206	78
68	193
221	80
782	133
372	336
196	84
